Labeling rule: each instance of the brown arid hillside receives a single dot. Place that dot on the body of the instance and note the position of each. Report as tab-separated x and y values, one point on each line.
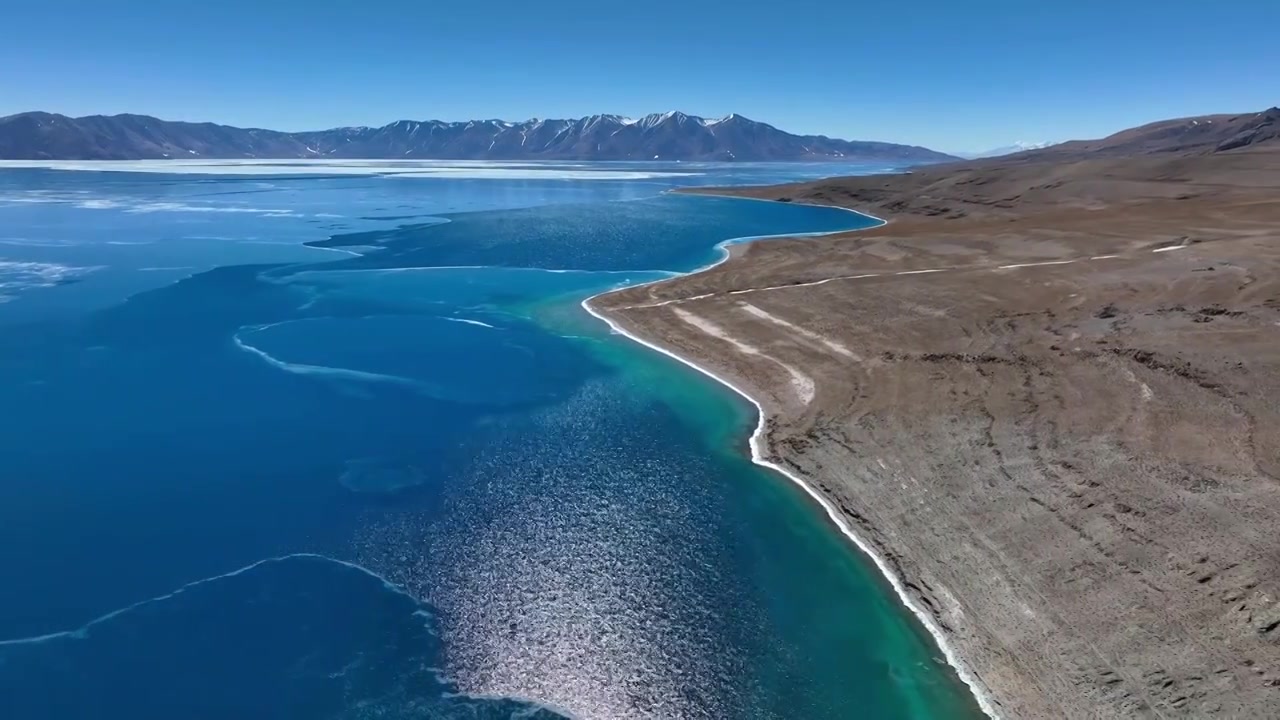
1196	135
1045	393
1186	159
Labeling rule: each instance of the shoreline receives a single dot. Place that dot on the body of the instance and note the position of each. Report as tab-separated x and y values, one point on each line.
1067	464
756	441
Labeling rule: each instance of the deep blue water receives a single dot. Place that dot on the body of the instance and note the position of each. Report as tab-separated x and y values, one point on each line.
204	372
243	645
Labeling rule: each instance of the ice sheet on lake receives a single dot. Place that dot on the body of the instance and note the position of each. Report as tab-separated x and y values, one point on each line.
457	169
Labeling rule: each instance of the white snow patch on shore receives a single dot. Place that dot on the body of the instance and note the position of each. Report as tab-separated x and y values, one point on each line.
816	337
1036	264
802	384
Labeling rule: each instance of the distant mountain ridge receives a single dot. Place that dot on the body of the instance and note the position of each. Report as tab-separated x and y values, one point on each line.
1199	135
660	136
1017	147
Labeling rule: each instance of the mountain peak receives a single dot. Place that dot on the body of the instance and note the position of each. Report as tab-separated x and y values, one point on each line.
730	118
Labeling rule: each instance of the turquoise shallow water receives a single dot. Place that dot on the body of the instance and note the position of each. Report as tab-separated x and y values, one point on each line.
203	372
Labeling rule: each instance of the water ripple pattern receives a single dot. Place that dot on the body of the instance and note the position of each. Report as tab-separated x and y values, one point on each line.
582	572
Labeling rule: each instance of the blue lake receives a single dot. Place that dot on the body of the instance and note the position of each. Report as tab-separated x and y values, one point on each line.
334	445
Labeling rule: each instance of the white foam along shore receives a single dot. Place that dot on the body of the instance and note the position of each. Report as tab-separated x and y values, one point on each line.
757	442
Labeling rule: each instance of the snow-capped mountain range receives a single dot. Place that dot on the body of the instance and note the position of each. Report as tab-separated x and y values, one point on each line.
660	136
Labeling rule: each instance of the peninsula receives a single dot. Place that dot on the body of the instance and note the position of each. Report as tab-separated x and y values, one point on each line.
1043	396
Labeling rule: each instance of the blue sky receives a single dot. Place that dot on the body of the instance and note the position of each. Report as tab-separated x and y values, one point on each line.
942	73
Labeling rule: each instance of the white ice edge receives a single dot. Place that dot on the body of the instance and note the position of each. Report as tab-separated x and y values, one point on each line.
83	631
453	169
756	442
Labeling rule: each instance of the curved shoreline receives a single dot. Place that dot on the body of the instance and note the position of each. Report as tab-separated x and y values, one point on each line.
756	442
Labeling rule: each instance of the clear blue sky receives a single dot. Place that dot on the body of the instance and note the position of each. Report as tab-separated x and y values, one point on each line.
950	74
